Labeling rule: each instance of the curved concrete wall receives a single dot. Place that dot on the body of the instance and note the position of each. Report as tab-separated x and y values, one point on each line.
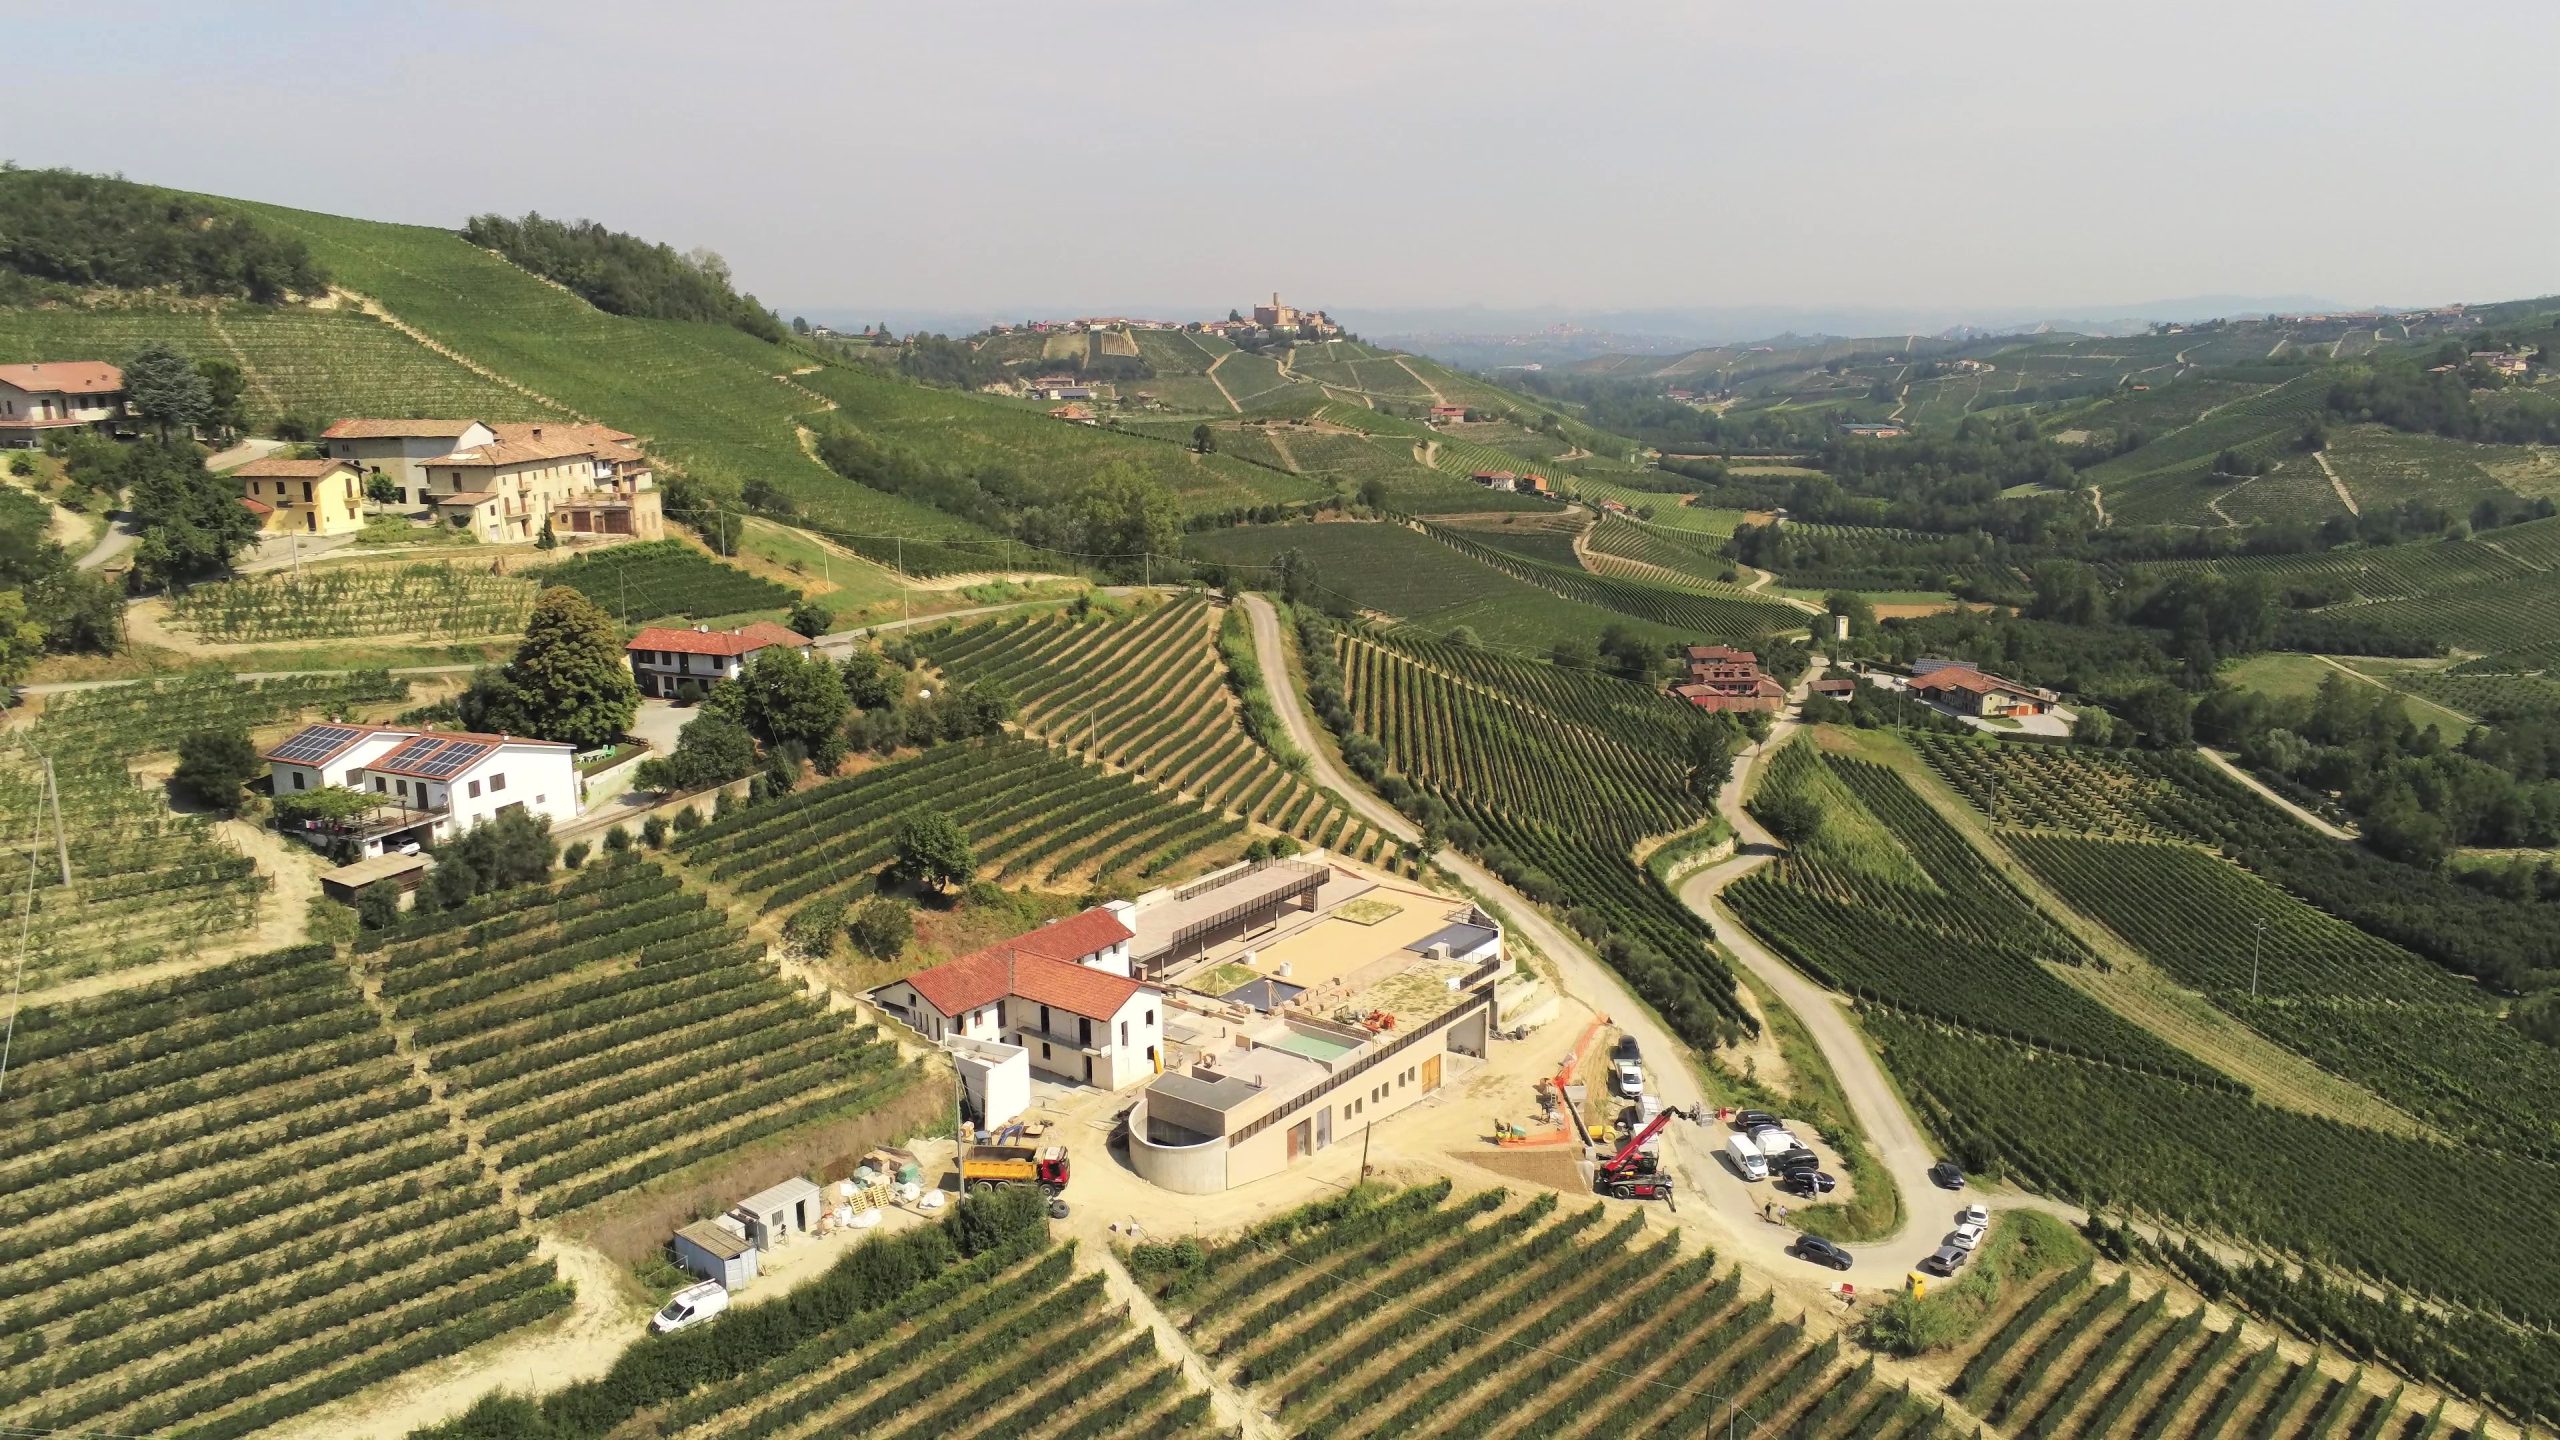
1195	1169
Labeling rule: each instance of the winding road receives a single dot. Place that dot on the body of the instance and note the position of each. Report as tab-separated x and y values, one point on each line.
1875	1104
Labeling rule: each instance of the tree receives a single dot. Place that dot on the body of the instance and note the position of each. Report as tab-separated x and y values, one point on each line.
931	850
1709	751
167	389
812	619
508	849
1791	815
795	699
547	540
1120	517
1374	493
21	639
814	928
378	905
870	680
1204	439
882	928
192	520
569	680
799	324
226	396
1861	615
383	490
711	750
216	766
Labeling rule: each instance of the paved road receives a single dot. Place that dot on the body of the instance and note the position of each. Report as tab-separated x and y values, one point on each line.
124	529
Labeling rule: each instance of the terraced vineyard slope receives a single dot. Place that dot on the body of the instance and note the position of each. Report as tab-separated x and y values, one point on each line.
1150	694
228	1200
342	601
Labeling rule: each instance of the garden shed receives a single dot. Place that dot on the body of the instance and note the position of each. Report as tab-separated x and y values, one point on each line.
402	872
716	1252
786	1210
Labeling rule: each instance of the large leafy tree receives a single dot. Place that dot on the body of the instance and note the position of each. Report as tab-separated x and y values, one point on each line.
931	850
167	389
569	681
793	698
193	523
216	766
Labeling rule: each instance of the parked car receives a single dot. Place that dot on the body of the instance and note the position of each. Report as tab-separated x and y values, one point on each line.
1945	1260
1627	1049
1750	1120
1973	1215
1946	1176
1822	1252
1795	1161
1965	1237
1629	1075
1808	1183
1747	1161
690	1306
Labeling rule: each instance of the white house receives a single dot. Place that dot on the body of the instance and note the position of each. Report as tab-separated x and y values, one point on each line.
663	657
57	395
428	784
400	449
1061	993
502	480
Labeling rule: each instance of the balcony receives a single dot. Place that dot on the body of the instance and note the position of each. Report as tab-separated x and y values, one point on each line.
389	818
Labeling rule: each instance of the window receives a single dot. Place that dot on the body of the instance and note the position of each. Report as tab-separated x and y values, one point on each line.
1151	1017
1044	1019
378	787
475	789
298	783
306	492
497	783
1084	1031
1044	1049
1124	1025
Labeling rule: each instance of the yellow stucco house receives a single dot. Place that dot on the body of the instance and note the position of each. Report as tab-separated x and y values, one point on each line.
303	497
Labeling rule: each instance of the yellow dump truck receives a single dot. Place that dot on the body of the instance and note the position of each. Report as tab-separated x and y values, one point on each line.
984	1167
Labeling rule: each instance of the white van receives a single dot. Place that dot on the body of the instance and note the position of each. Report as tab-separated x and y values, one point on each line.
1746	1158
1773	1142
691	1306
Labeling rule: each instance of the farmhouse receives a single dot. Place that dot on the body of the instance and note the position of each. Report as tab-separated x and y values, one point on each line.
665	658
303	497
1496	479
1872	432
1061	994
1965	689
502	481
2499	362
426	785
1073	415
1444	414
1723	679
57	395
1354	1004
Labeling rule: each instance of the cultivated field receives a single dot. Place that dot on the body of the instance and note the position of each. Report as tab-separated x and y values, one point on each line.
664	579
343	601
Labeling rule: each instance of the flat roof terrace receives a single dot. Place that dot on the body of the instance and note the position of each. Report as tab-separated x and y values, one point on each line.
1196	910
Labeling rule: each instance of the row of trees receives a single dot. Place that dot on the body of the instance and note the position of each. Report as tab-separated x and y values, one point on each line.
624	274
1111	519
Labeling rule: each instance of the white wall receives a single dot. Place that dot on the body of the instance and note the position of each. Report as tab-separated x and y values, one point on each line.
541	778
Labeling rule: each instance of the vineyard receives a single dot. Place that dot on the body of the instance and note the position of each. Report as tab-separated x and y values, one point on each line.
1559	775
336	602
1149	695
1033	815
1508	1319
2174	795
228	1201
1728	617
707	395
325	363
2480	692
1890	903
2217	1163
661	579
610	1032
146	882
2083	1361
1687	555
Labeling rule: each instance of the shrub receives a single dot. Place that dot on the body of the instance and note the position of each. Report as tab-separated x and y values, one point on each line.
882	928
378	907
216	766
688	820
617	841
813	928
653	832
576	855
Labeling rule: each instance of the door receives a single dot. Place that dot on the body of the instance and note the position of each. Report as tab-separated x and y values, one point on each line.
1297	1141
1324	1127
1430	1074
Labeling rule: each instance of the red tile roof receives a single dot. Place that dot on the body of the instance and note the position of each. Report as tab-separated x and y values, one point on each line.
397	429
717	642
499	453
1040	967
256	507
1966	678
271	468
68	377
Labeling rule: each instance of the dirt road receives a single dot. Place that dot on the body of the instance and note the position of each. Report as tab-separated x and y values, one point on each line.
2228	766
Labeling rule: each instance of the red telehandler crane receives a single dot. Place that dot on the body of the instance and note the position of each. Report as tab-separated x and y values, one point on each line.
1633	1173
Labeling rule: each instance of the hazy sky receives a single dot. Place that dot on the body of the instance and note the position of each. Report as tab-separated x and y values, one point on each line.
1105	155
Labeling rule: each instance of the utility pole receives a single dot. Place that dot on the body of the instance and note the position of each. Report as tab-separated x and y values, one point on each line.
905	611
2255	940
61	844
1364	1152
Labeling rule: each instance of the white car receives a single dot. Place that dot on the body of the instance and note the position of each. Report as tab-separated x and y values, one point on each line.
1975	1216
1965	1236
1630	1077
690	1307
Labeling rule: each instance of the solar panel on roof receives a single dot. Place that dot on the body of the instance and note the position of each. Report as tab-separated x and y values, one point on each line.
456	757
315	742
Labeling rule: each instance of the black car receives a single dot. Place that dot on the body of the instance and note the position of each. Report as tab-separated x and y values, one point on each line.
1626	1049
1807	1183
1822	1252
1795	1162
1946	1176
1750	1120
